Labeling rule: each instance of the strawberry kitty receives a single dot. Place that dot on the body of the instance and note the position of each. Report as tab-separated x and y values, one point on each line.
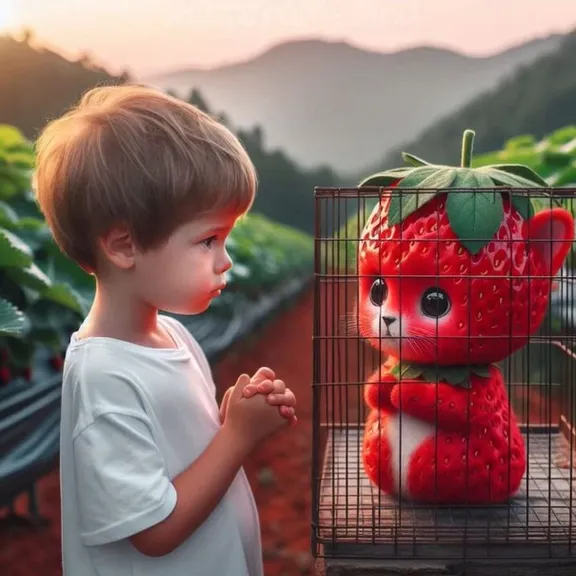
452	282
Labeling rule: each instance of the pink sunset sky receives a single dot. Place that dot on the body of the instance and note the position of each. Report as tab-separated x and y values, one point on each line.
146	36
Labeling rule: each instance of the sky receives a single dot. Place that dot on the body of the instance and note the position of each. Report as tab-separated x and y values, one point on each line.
146	36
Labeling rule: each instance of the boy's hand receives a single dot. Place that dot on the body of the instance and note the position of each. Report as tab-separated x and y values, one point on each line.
250	419
262	373
264	382
276	394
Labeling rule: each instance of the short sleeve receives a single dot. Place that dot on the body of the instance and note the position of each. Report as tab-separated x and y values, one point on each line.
121	479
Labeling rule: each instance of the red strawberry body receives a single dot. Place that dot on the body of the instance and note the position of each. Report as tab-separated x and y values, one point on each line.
446	444
446	300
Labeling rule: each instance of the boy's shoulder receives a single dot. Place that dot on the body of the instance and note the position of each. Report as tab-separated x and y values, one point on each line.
104	375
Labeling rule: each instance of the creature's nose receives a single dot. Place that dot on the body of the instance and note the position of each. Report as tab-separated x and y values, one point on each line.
388	320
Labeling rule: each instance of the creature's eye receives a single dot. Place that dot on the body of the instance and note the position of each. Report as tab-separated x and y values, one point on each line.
435	303
378	292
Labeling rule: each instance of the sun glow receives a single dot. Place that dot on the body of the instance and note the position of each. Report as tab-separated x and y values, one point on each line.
7	16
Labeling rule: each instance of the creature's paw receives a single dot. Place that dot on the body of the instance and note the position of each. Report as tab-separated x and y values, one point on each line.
377	391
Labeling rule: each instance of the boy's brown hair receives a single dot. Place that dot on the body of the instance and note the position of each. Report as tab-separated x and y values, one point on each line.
135	156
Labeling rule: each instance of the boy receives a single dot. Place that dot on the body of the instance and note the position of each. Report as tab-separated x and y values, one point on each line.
142	191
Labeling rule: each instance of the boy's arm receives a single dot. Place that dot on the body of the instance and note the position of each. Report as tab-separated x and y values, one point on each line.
124	491
199	489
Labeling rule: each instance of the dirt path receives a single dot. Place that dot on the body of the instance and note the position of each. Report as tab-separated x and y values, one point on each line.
279	470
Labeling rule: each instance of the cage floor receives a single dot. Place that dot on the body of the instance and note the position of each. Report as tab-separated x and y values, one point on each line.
355	518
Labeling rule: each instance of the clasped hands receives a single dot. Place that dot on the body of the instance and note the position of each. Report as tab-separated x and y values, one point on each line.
265	382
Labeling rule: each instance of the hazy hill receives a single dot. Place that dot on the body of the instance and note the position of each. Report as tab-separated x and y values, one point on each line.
332	103
37	84
536	100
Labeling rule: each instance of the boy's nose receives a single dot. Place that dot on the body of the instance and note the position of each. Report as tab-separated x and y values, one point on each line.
224	264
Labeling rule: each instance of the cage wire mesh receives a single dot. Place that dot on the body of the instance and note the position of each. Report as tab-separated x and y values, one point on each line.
423	462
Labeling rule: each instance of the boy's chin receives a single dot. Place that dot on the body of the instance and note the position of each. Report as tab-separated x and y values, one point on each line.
189	309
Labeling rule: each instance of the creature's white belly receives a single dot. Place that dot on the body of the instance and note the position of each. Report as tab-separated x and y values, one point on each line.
405	435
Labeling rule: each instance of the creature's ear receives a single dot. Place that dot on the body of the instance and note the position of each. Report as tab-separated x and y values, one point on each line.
551	233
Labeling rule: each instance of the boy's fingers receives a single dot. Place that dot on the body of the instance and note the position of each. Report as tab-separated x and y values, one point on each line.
249	390
287	398
263	373
265	387
278	386
238	389
287	412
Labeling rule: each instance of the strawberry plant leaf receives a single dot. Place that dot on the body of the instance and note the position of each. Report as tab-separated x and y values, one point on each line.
8	216
13	250
12	320
30	276
475	216
482	370
66	296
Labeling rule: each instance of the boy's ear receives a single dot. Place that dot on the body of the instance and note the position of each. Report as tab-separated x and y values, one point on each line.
118	248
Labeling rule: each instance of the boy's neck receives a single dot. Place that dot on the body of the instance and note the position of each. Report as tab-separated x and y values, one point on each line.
120	315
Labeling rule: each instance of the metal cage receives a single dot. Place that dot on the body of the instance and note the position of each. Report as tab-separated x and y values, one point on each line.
352	518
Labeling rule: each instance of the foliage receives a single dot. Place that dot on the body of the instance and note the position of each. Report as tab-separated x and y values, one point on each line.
39	304
44	295
553	157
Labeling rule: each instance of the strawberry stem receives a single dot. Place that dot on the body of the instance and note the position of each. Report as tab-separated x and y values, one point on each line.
467	147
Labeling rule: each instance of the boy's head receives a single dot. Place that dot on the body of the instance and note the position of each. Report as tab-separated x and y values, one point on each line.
122	172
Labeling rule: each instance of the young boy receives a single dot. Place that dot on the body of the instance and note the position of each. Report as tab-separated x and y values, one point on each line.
142	191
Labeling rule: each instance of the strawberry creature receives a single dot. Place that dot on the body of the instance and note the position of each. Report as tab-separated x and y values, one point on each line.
455	275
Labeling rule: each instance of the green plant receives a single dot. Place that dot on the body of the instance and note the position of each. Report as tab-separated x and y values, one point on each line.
38	305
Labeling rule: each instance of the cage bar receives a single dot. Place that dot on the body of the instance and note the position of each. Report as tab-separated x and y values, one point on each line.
354	519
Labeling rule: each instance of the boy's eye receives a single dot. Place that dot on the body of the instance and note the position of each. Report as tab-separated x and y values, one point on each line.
208	241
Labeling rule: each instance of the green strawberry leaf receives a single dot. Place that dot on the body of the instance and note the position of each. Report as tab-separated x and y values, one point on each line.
523	206
416	176
524	172
414	160
453	375
402	206
482	370
434	177
475	216
386	178
470	179
406	371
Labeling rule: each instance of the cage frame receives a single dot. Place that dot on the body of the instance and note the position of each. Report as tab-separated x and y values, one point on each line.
321	549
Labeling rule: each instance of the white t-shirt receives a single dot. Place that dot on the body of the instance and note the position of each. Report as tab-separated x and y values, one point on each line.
133	418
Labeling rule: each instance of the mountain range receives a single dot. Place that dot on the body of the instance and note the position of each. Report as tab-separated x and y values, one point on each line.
332	103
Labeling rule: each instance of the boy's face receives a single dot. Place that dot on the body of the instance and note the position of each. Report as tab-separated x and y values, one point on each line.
187	272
